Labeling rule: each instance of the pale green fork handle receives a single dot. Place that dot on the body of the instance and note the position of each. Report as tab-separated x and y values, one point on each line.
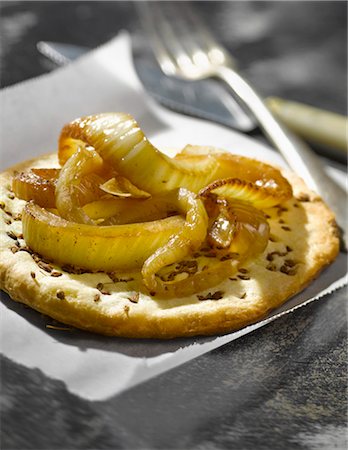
313	124
295	152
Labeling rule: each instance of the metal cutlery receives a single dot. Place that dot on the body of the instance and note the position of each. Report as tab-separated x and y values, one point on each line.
60	53
207	99
186	49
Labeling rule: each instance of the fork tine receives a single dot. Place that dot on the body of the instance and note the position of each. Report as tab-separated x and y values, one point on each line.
185	43
205	41
183	31
149	23
170	34
172	41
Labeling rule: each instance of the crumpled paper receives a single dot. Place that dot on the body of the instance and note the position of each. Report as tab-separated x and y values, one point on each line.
32	114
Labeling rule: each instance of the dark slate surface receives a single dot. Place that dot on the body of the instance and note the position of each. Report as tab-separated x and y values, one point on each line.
281	387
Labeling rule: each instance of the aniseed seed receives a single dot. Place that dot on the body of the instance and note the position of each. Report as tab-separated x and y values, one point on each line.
104	292
11	234
44	266
134	298
243	277
60	294
56	274
26	249
100	286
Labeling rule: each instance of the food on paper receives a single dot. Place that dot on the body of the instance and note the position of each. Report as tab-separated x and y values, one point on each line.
112	236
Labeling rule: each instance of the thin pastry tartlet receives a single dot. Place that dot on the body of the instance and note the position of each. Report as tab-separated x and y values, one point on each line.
112	236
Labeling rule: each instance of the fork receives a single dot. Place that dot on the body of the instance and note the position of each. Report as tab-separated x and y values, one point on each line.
185	48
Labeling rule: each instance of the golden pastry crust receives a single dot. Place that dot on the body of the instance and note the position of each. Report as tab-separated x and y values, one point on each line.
303	241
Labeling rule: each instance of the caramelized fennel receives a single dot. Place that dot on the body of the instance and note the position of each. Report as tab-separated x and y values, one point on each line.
121	204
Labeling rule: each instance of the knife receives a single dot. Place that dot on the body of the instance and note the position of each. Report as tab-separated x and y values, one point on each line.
207	99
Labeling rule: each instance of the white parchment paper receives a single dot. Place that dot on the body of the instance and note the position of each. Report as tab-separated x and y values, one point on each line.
31	117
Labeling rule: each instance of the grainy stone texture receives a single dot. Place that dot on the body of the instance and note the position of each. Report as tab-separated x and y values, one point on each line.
283	386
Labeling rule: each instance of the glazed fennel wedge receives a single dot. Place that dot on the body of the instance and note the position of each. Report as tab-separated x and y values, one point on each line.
175	228
105	146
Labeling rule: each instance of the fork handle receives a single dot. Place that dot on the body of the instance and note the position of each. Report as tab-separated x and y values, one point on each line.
295	152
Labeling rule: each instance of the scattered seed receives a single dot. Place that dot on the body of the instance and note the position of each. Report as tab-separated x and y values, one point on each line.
288	270
10	195
11	234
290	262
243	277
270	256
285	228
227	257
26	249
281	209
33	275
8	221
14	249
271	267
2	205
303	198
243	296
211	296
44	266
134	298
75	270
56	274
96	298
100	286
242	270
60	294
210	254
116	279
